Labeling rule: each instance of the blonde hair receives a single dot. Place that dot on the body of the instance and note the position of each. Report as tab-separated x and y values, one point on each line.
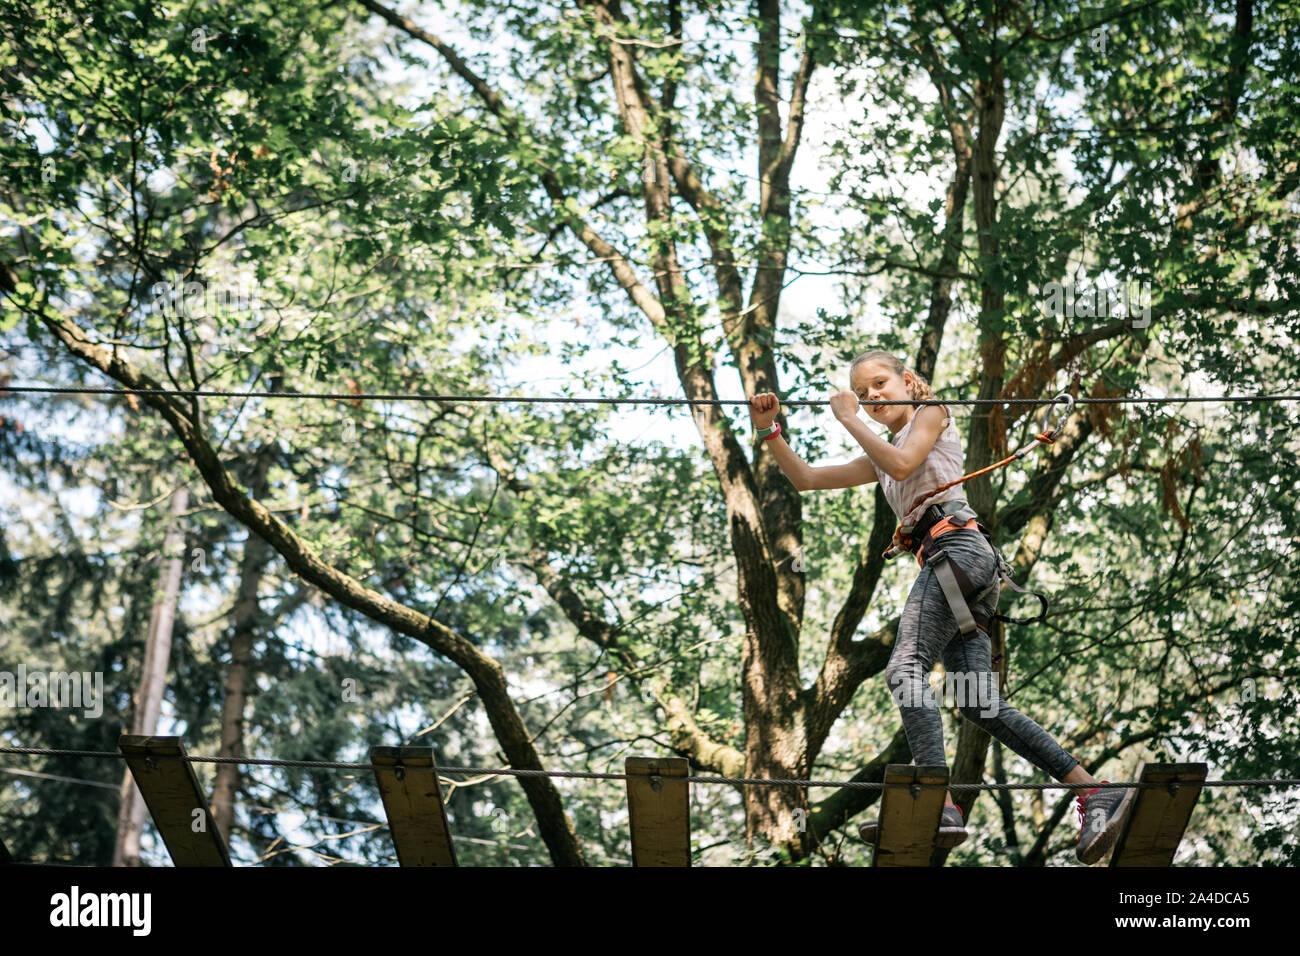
920	390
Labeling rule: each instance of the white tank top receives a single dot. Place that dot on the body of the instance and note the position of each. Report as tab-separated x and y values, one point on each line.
941	466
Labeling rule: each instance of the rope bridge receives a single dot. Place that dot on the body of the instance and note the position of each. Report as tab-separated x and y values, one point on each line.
658	802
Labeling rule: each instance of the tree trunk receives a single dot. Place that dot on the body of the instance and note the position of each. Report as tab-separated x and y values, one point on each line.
246	621
153	678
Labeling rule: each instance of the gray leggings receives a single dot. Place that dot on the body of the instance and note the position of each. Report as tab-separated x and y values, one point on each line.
928	629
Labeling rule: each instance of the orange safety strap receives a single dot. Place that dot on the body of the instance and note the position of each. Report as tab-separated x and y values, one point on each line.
1046	437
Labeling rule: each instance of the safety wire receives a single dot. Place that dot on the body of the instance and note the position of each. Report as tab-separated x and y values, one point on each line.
591	775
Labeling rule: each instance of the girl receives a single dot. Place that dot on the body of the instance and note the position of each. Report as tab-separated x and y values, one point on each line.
924	453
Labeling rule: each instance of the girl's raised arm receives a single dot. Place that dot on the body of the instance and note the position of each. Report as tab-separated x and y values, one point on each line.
763	409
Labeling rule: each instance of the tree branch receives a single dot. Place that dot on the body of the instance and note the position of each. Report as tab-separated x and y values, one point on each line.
487	675
514	127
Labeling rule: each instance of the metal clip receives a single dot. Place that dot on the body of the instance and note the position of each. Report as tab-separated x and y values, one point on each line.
1069	407
916	791
655	782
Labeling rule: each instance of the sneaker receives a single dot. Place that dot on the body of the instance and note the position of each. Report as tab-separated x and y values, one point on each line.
1101	814
952	830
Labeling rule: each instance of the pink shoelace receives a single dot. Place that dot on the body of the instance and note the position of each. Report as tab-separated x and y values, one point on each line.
1082	803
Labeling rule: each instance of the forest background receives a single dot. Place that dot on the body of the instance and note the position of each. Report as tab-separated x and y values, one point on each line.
659	199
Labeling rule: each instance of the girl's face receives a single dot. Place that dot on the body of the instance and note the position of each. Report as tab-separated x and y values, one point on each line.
874	381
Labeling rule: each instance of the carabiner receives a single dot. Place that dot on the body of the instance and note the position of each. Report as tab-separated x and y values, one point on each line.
1069	407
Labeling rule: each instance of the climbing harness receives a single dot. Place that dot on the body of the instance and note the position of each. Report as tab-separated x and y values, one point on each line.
937	520
957	586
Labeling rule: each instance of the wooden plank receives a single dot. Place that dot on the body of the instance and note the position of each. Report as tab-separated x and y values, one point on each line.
175	801
909	815
417	818
658	806
1158	818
